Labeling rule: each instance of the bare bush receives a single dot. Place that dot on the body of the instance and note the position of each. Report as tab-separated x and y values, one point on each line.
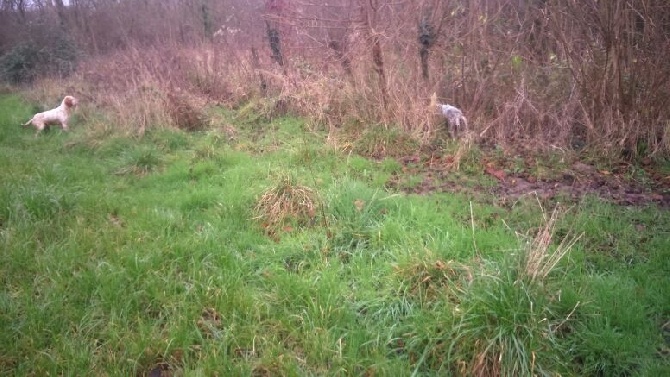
614	51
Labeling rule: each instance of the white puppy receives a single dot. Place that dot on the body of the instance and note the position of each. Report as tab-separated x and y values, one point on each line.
58	116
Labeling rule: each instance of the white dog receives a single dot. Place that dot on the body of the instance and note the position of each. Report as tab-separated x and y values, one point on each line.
452	114
454	117
58	116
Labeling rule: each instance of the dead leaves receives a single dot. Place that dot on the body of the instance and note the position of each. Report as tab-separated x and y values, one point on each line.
497	173
210	323
359	204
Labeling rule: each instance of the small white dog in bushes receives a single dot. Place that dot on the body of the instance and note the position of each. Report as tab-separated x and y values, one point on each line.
452	114
58	116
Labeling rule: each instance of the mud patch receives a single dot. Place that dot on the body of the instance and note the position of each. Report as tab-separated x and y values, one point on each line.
430	174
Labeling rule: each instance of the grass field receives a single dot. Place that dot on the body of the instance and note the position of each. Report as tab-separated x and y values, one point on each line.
167	255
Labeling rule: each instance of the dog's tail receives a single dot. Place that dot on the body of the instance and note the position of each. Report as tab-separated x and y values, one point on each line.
26	124
433	100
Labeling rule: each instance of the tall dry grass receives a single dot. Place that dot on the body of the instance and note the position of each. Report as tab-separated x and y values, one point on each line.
540	73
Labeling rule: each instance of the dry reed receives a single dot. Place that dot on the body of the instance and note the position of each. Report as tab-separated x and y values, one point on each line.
540	257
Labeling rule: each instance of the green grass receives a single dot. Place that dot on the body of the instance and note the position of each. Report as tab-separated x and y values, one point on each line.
122	256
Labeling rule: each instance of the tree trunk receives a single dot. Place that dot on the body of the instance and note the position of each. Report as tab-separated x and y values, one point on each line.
370	10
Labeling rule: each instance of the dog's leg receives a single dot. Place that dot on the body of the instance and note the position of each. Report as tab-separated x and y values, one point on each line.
464	121
454	124
39	126
449	127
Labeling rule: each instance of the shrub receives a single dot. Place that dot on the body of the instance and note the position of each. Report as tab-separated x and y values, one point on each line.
26	61
19	64
62	57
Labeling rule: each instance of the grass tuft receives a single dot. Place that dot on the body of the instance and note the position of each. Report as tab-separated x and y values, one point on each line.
184	114
357	212
287	203
140	161
435	279
379	142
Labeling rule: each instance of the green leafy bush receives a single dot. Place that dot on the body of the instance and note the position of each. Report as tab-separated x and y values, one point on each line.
20	63
28	60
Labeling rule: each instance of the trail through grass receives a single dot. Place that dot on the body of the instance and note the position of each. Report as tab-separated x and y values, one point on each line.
125	256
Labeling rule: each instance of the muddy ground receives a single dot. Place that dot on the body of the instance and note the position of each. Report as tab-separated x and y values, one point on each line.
623	183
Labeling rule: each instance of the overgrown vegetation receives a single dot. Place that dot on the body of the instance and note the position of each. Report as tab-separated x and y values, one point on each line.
544	73
127	255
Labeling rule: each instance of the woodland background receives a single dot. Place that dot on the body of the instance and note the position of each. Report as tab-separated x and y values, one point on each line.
543	73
